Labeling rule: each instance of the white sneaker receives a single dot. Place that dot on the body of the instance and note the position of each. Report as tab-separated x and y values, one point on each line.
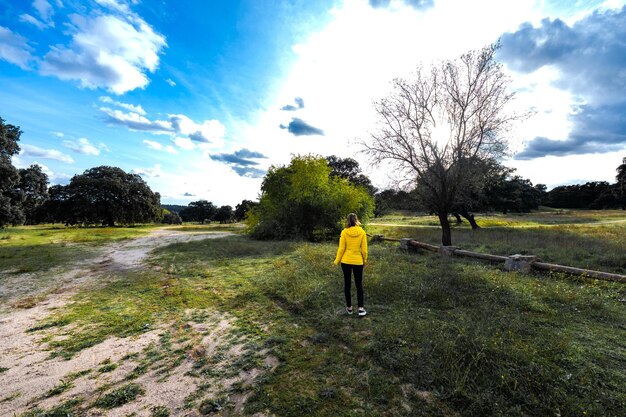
349	310
362	312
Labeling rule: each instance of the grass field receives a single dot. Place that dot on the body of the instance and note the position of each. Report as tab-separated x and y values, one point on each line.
583	238
443	337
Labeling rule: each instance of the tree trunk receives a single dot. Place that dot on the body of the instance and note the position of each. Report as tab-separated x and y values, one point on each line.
458	218
470	218
446	235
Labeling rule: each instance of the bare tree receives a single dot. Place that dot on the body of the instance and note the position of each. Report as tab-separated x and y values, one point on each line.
441	126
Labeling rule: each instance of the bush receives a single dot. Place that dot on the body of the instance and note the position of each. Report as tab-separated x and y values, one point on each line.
303	201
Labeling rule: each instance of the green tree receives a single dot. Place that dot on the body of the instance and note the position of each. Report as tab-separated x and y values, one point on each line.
171	217
349	169
10	203
302	200
198	211
105	195
224	214
242	209
33	189
620	185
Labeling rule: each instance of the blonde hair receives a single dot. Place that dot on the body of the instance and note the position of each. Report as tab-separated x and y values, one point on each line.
353	220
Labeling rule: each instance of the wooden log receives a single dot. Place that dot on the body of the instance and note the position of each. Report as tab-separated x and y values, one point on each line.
579	271
423	245
478	255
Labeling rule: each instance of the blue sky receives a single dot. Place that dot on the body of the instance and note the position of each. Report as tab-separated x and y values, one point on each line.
201	97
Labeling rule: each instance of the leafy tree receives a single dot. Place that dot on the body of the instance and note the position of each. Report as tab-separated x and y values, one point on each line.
349	169
620	185
302	200
439	127
55	208
171	217
105	195
224	214
33	189
198	211
392	200
242	208
10	203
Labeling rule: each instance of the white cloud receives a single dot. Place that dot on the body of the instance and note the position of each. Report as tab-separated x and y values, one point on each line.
106	51
37	152
82	146
115	5
154	172
136	121
15	49
208	135
130	107
44	9
209	131
170	82
184	143
26	18
160	147
45	12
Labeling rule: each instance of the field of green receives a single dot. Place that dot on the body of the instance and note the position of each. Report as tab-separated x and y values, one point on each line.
579	238
443	336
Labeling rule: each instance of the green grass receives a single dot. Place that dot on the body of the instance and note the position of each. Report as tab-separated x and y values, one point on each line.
119	396
587	245
442	335
67	409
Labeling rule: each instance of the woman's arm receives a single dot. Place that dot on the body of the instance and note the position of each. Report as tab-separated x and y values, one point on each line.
341	249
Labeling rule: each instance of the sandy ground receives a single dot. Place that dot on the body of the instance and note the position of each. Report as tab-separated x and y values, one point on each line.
31	373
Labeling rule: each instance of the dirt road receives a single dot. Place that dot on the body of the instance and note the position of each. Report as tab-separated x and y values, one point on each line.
28	374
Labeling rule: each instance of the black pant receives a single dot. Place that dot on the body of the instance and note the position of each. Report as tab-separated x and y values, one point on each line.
347	282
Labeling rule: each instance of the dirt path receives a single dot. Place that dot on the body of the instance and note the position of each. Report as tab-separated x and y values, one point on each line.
28	373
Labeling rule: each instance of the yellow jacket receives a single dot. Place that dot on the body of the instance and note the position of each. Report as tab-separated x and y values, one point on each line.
352	246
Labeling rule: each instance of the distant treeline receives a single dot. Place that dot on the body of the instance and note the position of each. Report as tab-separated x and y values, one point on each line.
504	192
205	211
591	195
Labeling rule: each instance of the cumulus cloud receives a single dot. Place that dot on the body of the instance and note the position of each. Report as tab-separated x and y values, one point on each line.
154	172
242	162
184	143
106	51
135	121
208	132
188	194
299	127
590	57
37	152
417	4
160	147
130	107
15	49
290	107
82	146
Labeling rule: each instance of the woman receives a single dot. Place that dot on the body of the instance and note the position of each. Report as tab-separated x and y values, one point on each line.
352	254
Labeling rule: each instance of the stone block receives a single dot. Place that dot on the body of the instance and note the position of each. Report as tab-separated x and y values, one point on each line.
519	263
